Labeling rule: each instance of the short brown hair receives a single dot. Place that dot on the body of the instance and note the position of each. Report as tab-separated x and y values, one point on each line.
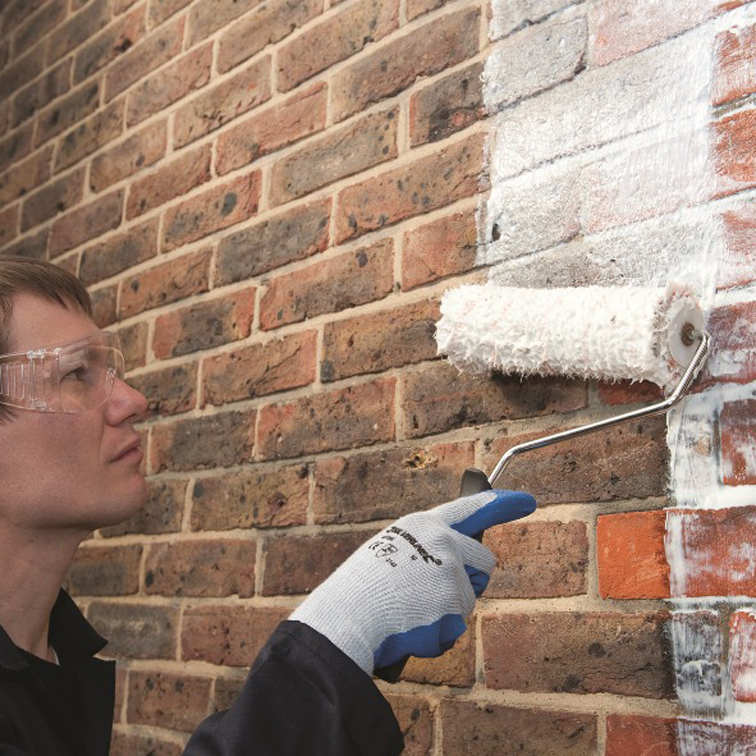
44	279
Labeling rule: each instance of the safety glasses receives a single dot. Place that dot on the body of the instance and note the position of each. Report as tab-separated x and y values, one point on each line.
74	377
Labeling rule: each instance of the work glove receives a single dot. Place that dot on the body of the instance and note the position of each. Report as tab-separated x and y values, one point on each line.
408	590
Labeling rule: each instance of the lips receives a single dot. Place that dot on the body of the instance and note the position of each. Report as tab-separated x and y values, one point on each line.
129	450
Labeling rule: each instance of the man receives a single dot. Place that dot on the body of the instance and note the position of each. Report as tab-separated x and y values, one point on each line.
69	464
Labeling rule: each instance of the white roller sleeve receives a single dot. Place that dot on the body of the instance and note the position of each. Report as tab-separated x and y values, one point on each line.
589	332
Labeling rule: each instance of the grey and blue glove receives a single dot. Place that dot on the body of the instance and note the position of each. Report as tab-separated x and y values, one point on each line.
409	590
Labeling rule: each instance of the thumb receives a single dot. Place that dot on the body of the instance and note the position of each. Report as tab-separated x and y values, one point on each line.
474	514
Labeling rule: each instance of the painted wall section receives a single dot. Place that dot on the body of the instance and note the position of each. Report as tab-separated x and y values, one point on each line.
637	172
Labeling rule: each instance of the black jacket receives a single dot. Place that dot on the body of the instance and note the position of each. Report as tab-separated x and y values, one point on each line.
303	696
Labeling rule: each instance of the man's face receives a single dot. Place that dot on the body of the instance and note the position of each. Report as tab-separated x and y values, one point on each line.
70	471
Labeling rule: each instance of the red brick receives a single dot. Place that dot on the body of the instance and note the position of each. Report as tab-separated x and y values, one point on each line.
228	635
89	136
715	548
272	22
162	284
629	461
86	222
162	699
276	127
215	209
377	342
30	246
15	12
27	176
356	416
618	33
170	84
367	142
176	178
742	659
160	10
222	103
297	564
257	497
455	668
118	253
431	182
440	398
631	735
204	325
394	67
227	690
734	76
210	441
106	46
732	143
138	151
128	744
147	55
38	25
447	106
625	392
632	563
8	224
561	652
67	111
736	267
169	391
17	145
22	71
445	247
105	571
737	422
56	197
415	720
104	302
353	489
733	358
220	567
351	279
339	37
538	560
493	730
162	513
260	369
55	83
207	16
78	29
134	343
292	235
136	631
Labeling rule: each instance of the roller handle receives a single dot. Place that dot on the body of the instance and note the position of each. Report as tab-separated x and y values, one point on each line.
473	481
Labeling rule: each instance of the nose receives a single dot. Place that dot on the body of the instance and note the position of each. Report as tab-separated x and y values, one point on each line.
124	403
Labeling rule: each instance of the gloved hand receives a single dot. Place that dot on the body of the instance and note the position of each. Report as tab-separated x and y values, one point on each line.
408	590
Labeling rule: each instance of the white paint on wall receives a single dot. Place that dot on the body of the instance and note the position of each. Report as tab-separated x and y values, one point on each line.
606	178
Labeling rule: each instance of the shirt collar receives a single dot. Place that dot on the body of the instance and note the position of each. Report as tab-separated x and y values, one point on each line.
70	634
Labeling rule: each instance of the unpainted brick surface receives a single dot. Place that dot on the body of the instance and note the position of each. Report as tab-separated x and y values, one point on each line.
571	652
492	730
354	488
259	496
292	235
162	513
354	278
86	138
201	568
170	390
99	571
355	416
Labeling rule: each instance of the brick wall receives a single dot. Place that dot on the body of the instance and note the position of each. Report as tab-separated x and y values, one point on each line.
267	201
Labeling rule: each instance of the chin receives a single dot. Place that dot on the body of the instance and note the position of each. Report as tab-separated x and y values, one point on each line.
119	509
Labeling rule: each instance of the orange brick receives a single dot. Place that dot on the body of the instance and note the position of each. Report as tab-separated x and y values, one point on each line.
631	559
734	74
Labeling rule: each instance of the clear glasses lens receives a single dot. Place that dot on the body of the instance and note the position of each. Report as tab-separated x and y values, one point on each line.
75	377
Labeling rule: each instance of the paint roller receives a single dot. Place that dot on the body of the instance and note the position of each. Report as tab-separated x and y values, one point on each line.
605	332
609	333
